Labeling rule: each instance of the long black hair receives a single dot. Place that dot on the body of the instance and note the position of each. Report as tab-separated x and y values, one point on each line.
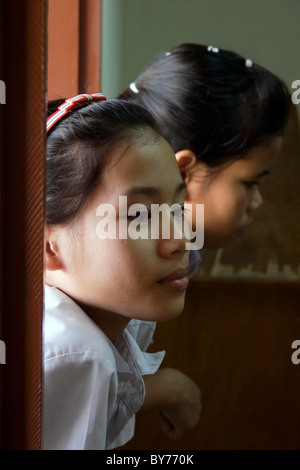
80	146
211	101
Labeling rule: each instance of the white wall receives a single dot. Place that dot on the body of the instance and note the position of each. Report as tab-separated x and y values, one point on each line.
134	31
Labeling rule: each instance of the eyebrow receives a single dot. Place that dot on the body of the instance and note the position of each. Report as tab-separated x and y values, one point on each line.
261	174
152	190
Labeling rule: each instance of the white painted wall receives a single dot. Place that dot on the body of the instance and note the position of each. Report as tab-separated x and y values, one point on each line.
134	31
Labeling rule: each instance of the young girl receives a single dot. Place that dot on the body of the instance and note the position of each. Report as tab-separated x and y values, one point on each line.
103	294
224	117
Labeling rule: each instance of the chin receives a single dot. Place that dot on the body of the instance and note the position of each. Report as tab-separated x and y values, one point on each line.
165	307
171	312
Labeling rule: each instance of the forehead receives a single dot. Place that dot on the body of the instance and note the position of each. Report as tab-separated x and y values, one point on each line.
147	163
261	158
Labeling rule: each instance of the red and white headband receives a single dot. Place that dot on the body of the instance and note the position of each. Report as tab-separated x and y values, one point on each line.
71	104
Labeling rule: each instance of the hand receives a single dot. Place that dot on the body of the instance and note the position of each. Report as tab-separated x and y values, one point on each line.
177	399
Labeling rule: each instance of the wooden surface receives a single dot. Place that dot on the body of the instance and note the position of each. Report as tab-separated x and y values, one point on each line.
74	47
234	339
22	230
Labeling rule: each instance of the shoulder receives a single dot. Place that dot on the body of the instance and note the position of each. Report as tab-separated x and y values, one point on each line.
68	333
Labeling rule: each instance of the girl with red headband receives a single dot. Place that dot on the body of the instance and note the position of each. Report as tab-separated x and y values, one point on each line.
104	295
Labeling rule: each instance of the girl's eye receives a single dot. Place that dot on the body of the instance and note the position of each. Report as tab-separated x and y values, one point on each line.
179	211
252	184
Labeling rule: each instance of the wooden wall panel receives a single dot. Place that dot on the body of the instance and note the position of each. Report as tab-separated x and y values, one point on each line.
234	339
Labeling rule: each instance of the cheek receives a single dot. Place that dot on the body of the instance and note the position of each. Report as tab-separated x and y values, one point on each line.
235	201
134	255
225	206
72	249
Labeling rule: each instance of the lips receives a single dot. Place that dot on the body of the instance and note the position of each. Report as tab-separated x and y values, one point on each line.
177	280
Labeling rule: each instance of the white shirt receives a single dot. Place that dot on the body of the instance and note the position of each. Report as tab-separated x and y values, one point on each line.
92	387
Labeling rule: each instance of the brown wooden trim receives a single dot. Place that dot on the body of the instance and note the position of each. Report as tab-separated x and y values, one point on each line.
259	283
63	47
74	47
1	120
90	46
22	188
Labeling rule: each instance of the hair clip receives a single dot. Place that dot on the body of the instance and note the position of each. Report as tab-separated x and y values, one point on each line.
213	49
248	63
168	53
133	87
70	104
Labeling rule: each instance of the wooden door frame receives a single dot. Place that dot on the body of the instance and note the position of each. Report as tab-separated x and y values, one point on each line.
23	68
74	47
22	204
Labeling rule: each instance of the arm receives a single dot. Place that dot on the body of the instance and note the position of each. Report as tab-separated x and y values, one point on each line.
177	399
76	408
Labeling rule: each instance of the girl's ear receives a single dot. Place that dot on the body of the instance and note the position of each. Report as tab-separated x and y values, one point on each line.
53	261
187	161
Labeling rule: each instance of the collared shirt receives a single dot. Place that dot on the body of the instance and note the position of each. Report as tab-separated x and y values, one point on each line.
92	387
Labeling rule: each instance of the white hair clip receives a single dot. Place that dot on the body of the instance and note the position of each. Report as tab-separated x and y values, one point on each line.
133	87
168	53
213	49
248	63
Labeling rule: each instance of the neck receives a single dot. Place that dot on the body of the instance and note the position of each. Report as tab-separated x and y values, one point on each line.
111	323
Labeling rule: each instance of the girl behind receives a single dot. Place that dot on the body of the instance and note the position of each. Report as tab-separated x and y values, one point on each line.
224	117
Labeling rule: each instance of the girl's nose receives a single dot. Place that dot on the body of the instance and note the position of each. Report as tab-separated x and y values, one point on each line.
256	201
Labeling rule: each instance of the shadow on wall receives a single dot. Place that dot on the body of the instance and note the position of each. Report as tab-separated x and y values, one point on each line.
271	248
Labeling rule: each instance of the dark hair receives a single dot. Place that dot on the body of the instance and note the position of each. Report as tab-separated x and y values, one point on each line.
211	102
79	148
